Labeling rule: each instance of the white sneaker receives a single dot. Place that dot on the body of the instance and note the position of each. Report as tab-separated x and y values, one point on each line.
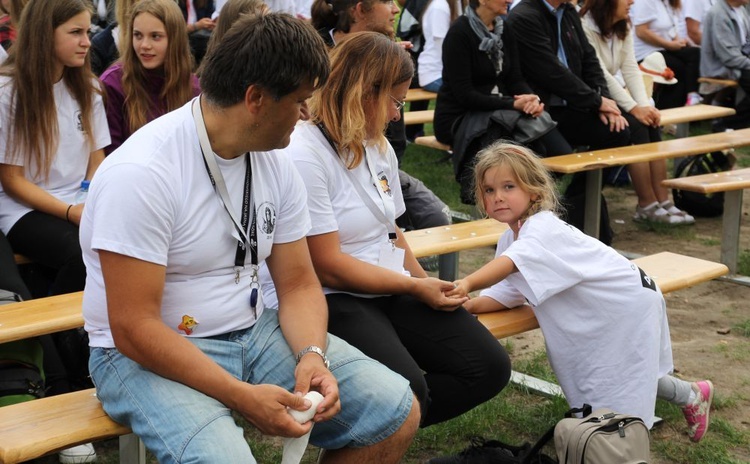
78	454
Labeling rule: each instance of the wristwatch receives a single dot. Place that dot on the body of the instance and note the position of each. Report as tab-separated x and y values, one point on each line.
314	349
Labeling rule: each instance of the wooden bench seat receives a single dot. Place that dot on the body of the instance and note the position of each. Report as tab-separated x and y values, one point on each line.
35	428
418	117
21	259
732	183
680	116
419	94
718	81
671	272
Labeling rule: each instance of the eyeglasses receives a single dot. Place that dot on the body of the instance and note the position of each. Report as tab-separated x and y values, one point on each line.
399	104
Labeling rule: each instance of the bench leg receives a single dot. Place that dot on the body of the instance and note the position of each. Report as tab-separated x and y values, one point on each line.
448	266
730	242
132	450
682	130
591	217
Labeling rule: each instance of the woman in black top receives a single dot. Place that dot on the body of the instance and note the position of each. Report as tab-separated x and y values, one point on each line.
481	75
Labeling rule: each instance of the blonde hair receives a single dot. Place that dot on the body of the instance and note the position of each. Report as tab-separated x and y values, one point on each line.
366	65
532	176
33	134
178	84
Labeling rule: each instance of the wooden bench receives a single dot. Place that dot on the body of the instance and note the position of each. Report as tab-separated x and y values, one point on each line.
21	259
681	117
732	183
419	94
593	162
671	272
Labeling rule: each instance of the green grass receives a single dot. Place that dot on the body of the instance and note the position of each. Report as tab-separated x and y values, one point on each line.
743	328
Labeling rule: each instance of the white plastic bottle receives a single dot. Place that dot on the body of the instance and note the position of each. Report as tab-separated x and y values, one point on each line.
82	192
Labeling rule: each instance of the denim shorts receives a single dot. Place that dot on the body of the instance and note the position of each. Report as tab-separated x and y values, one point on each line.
179	424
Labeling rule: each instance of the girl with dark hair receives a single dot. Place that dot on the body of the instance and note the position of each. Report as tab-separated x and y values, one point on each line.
153	75
606	25
660	27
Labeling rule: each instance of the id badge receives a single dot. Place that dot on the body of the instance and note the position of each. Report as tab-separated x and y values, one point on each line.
673	33
391	257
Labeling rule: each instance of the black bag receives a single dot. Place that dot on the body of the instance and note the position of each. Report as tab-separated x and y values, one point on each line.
497	452
699	204
21	371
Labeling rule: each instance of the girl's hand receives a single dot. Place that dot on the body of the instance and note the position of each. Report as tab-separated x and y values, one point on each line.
75	213
432	291
204	23
647	115
460	289
676	44
405	44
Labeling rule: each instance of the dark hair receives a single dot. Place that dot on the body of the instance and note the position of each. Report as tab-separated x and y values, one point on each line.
336	14
274	51
603	12
231	12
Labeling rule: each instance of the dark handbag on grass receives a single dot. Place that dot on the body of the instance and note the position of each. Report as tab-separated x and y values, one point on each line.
701	204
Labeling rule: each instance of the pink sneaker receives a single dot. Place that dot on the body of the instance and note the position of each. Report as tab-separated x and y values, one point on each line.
696	413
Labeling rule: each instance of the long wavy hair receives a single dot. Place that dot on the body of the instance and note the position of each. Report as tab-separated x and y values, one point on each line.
178	88
603	13
532	176
33	134
365	66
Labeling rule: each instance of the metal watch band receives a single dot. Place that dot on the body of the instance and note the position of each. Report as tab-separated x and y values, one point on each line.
316	350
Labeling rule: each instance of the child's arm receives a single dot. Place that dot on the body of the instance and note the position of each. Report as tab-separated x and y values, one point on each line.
483	304
486	276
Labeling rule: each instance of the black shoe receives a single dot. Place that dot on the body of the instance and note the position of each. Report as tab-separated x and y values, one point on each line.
480	451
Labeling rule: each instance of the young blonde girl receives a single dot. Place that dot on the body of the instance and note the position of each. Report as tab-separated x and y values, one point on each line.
153	75
604	320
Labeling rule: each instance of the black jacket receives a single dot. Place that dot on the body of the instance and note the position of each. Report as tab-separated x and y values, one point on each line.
581	84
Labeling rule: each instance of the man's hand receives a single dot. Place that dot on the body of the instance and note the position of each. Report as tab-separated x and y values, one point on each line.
312	374
265	406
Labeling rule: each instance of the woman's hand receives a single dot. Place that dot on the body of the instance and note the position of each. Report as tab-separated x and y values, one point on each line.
74	214
432	292
647	115
528	104
203	23
676	44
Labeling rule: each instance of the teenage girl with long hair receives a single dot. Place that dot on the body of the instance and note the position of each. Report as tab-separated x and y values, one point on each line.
153	76
53	131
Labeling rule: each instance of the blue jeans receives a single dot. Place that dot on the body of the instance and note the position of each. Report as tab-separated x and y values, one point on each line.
180	424
434	86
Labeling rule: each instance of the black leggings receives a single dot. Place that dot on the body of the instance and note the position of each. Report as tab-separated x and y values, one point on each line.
452	362
685	63
52	242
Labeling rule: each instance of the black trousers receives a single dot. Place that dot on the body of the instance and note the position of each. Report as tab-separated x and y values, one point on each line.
685	63
452	362
53	242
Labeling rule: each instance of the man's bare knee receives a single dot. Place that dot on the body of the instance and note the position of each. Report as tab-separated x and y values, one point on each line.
390	450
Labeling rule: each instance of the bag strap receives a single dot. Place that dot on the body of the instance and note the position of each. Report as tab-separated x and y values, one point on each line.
535	450
585	410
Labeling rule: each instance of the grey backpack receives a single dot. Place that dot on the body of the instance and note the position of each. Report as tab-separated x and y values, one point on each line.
601	437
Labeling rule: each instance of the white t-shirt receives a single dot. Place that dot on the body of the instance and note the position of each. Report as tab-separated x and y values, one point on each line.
152	200
662	20
696	9
436	20
606	333
335	205
282	6
71	159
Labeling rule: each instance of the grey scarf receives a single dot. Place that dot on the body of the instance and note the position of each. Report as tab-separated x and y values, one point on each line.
491	41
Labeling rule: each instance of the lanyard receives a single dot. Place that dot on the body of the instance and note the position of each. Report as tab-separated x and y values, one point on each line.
217	181
389	218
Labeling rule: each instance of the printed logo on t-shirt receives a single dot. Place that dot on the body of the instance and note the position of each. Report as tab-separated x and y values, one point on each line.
384	185
267	218
79	121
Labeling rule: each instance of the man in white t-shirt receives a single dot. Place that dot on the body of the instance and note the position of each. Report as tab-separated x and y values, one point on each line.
176	223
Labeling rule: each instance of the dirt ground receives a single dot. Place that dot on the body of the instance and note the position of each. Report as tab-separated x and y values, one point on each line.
702	318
